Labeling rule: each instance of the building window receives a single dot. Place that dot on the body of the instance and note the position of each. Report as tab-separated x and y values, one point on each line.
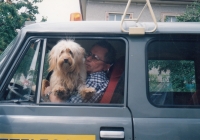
169	17
114	16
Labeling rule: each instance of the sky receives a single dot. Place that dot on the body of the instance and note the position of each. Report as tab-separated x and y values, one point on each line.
57	10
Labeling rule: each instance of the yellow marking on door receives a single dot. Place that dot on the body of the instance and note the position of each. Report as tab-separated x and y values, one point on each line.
46	137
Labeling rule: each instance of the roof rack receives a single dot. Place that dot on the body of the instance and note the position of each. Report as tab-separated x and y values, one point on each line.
138	30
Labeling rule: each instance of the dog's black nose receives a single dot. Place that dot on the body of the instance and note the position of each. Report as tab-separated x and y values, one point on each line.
66	60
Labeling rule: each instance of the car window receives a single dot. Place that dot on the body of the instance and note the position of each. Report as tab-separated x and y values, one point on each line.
113	91
22	85
173	73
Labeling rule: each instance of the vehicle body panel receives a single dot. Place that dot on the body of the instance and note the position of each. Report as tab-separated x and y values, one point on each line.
138	117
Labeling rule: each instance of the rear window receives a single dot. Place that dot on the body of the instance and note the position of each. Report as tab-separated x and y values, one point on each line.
174	72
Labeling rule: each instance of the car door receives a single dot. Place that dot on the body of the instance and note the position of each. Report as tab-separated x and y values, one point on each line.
23	115
164	86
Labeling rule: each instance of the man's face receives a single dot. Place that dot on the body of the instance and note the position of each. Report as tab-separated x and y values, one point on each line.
95	65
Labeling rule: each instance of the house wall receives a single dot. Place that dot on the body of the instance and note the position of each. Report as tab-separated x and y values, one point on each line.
97	10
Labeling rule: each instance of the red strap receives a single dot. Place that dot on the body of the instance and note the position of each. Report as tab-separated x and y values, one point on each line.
109	91
118	69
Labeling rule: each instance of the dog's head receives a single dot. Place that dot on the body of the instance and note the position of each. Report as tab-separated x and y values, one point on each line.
66	56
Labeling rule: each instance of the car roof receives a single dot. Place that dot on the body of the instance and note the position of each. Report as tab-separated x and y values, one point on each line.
110	27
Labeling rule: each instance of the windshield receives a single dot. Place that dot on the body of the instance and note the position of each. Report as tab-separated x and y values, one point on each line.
6	51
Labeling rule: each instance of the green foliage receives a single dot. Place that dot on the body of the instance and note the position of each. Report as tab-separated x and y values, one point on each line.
153	82
11	19
181	72
192	13
44	19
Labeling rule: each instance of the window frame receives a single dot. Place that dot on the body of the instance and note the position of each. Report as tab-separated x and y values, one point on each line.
84	37
117	13
165	15
43	36
190	38
17	61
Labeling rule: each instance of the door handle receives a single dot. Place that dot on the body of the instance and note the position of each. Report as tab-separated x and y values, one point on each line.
112	134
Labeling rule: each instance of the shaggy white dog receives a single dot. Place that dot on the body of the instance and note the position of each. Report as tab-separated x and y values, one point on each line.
66	60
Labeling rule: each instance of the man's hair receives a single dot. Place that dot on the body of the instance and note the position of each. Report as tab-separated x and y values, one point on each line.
110	55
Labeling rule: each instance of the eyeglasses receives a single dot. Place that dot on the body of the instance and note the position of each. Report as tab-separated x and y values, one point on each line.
94	57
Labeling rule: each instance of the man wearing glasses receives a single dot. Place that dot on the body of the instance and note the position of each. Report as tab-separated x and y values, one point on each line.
98	62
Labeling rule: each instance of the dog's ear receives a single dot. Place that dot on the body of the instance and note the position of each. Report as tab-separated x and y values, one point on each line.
52	60
82	55
82	50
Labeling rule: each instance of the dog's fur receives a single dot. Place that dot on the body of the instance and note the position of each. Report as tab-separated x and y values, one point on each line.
66	60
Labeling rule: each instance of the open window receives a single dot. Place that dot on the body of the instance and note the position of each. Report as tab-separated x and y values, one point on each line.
114	92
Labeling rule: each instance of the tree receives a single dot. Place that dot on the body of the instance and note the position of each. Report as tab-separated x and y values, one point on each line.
11	18
181	72
44	19
192	13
